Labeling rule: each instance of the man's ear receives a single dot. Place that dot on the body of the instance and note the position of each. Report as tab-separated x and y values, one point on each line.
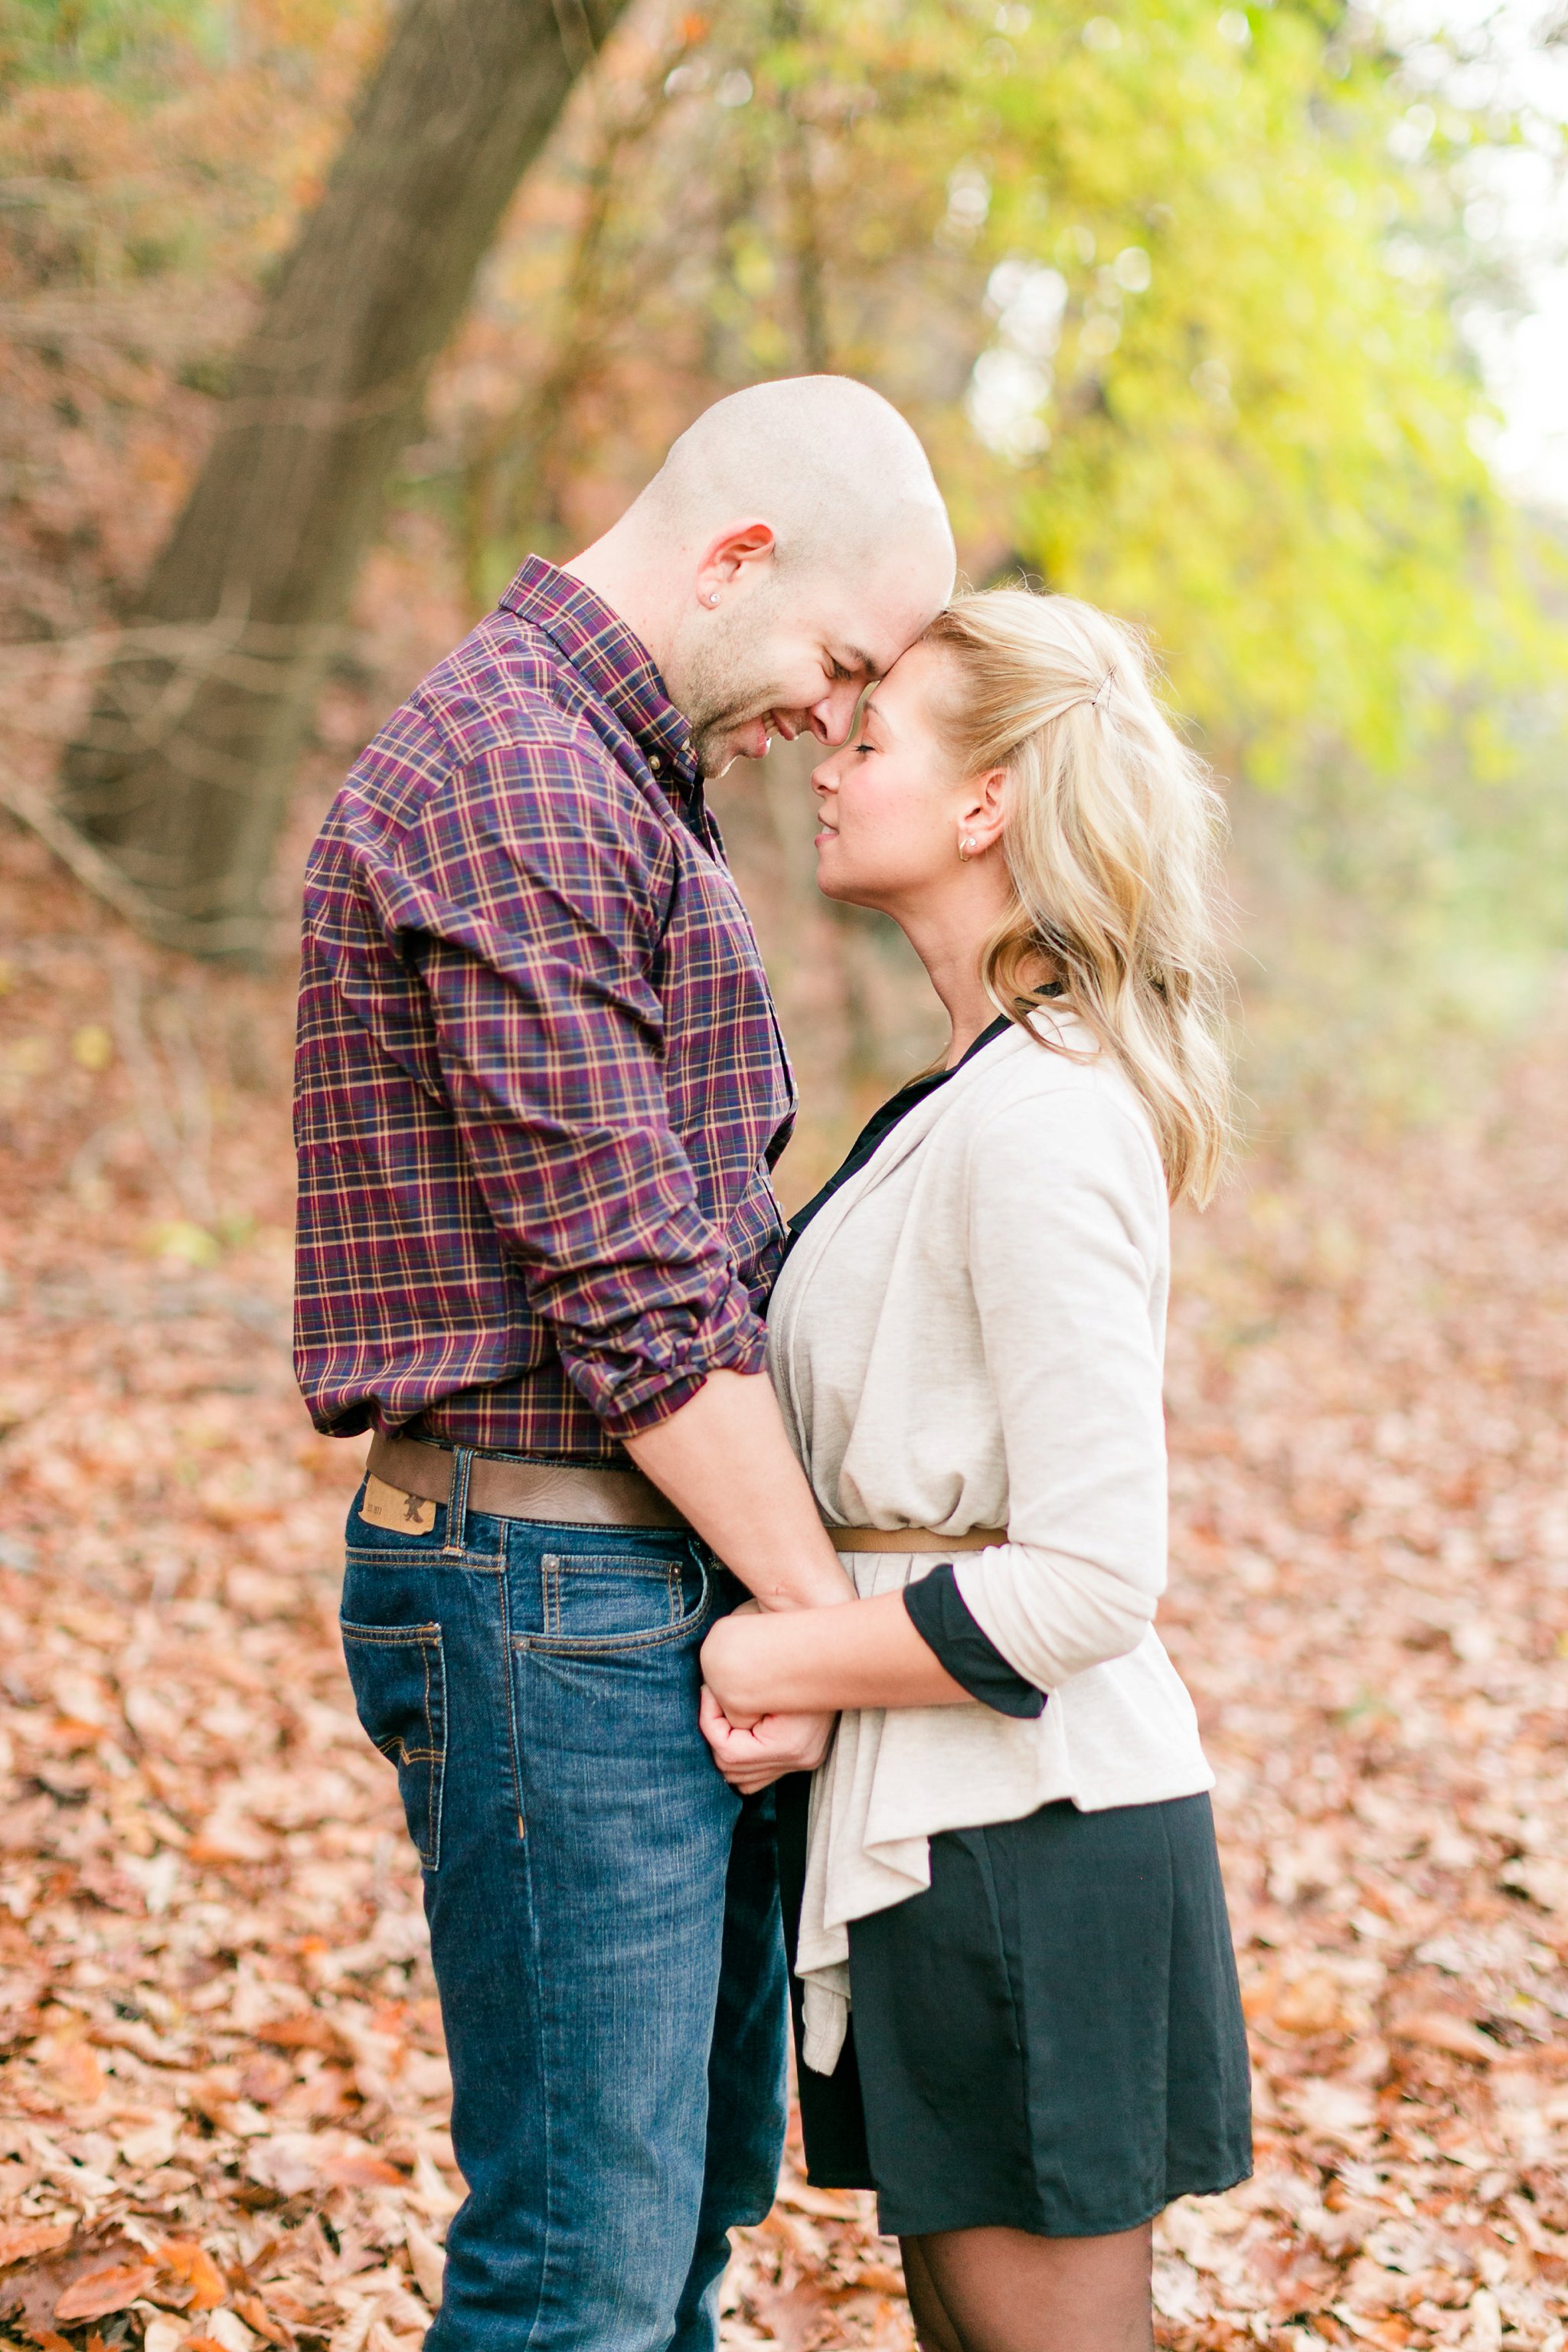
740	551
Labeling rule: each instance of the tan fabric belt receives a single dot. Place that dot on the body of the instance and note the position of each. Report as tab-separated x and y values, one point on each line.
565	1493
911	1539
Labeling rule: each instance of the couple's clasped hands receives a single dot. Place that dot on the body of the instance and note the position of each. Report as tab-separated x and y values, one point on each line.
775	1680
753	1744
777	1671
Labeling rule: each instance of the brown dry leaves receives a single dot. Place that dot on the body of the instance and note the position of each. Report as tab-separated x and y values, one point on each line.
225	2116
1369	1599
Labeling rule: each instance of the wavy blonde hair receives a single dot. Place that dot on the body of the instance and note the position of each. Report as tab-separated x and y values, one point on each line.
1111	837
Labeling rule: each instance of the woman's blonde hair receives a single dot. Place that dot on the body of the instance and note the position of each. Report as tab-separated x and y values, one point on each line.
1111	837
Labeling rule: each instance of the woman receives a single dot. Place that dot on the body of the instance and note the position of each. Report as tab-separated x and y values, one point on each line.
1013	1948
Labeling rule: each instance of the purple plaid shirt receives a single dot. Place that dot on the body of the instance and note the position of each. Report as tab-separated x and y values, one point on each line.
539	1083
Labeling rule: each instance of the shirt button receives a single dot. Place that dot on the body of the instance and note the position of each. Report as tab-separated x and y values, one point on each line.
653	762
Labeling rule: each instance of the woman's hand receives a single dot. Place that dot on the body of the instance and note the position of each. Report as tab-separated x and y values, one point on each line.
807	1662
735	1643
773	1681
754	1754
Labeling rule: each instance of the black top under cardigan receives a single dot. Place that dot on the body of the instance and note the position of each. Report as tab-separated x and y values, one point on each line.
938	1609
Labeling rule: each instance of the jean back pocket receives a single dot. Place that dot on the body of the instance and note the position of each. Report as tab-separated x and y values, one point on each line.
399	1678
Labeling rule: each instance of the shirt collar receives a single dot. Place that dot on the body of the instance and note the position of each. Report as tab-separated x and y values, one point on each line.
613	661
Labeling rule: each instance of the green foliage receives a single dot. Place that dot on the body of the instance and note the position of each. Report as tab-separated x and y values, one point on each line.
1260	416
1168	286
1391	937
130	42
1170	293
1175	320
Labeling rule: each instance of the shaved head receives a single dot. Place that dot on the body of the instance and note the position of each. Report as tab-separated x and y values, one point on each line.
827	461
791	546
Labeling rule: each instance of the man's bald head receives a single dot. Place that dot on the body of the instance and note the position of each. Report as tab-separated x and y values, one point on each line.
829	463
791	546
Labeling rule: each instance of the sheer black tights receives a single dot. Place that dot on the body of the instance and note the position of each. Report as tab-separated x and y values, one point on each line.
1005	2291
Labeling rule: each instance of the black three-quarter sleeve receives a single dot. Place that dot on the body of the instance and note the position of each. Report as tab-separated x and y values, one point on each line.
940	1617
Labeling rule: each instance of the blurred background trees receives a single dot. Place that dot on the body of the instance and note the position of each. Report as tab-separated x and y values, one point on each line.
1173	294
195	728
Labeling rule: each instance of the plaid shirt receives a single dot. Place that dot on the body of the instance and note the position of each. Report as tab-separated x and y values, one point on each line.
539	1083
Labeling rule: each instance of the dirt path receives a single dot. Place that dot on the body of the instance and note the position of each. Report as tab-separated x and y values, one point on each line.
224	2111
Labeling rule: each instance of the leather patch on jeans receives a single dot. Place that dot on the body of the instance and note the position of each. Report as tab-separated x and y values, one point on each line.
389	1506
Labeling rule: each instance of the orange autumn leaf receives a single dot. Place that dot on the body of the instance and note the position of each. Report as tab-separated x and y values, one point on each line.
310	2031
194	2267
255	2314
794	2315
99	2293
1314	2004
1434	2029
23	2239
356	2167
74	2071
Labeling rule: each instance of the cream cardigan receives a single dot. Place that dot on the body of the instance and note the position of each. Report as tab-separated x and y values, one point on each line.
970	1333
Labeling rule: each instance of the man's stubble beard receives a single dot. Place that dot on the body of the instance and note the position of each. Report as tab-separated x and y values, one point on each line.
723	691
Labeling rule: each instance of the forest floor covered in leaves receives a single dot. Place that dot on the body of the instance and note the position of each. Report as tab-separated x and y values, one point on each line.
223	2119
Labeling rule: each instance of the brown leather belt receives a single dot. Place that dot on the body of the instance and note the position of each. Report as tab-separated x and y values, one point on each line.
564	1493
913	1539
569	1495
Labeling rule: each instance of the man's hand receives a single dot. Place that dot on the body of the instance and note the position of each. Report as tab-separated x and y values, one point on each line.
753	1756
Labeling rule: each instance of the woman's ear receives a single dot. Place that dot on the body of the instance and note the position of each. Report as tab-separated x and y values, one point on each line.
984	810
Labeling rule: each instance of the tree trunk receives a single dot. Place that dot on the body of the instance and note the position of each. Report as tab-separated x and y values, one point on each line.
181	775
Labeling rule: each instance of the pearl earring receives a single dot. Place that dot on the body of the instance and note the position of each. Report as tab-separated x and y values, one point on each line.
967	846
713	599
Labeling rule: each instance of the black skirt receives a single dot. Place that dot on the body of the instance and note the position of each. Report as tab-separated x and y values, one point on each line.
1050	2038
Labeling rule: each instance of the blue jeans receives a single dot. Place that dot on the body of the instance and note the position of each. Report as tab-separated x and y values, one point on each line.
604	1919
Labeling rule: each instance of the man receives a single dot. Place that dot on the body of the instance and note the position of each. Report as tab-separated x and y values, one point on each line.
539	1088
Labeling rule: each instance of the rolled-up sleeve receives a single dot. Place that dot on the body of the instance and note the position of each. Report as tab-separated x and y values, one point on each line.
534	898
1066	1208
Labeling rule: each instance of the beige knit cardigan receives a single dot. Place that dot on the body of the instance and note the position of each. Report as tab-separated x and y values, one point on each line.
970	1333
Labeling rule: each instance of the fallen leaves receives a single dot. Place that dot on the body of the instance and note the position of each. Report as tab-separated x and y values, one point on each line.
225	2077
1438	2030
98	2294
24	2239
190	2271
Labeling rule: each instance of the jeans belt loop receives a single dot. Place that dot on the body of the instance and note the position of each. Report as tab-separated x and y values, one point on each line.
457	1503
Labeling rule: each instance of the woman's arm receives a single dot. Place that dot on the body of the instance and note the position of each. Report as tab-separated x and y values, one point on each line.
866	1653
1066	1220
1066	1253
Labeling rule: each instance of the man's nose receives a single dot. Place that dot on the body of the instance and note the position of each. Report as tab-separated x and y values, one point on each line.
832	717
